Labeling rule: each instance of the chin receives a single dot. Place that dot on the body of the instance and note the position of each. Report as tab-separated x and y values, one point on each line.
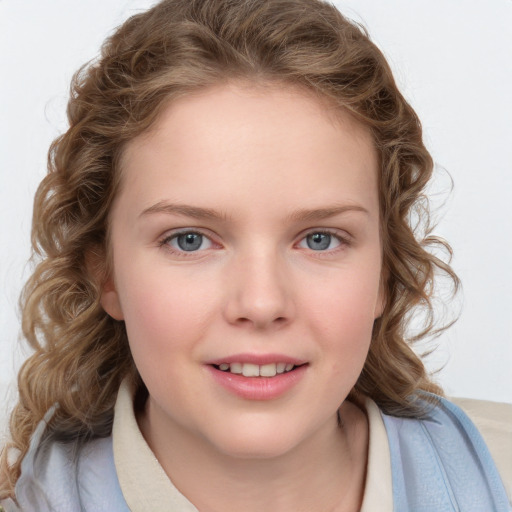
258	441
251	448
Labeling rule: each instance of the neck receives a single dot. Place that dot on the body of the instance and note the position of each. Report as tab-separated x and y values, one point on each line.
326	472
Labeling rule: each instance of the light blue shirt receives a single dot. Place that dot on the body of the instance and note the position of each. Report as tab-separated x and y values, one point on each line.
440	463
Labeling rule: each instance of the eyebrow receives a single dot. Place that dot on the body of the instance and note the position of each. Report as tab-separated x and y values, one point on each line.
196	212
184	210
315	214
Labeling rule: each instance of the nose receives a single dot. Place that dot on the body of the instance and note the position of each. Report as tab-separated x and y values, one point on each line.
260	292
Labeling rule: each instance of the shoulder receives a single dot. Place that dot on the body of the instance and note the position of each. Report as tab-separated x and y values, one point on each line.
71	476
494	422
441	461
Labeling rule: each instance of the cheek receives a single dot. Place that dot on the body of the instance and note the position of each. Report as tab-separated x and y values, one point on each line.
164	313
343	316
349	296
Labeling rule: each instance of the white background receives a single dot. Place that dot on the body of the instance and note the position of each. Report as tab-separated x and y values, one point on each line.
452	59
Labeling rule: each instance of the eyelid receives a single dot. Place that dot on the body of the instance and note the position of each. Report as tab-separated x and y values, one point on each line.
342	236
163	241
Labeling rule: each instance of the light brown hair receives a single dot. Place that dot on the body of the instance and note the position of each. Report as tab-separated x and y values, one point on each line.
81	354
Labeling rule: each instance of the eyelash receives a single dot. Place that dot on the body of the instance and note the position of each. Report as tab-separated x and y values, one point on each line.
344	241
165	242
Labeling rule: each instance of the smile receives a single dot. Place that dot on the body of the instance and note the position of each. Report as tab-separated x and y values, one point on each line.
255	370
258	377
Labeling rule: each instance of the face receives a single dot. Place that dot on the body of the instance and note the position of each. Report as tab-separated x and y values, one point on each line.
247	264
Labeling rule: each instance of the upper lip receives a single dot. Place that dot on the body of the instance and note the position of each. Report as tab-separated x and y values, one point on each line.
259	359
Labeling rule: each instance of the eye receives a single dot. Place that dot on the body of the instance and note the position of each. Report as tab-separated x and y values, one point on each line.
320	241
188	241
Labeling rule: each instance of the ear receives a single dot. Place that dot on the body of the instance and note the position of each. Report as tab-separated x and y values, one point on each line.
109	300
97	268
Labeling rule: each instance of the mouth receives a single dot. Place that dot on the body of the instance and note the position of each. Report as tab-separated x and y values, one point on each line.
258	377
254	370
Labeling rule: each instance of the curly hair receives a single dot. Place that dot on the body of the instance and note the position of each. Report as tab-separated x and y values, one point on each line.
81	354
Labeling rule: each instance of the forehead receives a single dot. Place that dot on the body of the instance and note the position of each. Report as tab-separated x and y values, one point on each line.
242	105
243	138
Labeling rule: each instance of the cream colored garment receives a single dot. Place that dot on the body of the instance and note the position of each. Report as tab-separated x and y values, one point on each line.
144	483
146	486
378	490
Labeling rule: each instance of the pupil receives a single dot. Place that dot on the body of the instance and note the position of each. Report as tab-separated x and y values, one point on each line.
190	241
319	241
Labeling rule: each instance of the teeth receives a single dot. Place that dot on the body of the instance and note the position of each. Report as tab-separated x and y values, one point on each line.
235	367
250	370
254	370
268	370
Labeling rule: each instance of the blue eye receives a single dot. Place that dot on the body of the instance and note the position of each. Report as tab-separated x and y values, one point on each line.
189	241
320	241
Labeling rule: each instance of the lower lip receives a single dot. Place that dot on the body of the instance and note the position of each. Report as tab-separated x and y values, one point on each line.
258	388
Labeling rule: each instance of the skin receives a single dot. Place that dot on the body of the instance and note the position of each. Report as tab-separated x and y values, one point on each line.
257	158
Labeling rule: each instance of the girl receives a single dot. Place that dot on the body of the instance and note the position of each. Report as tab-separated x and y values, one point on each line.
227	269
